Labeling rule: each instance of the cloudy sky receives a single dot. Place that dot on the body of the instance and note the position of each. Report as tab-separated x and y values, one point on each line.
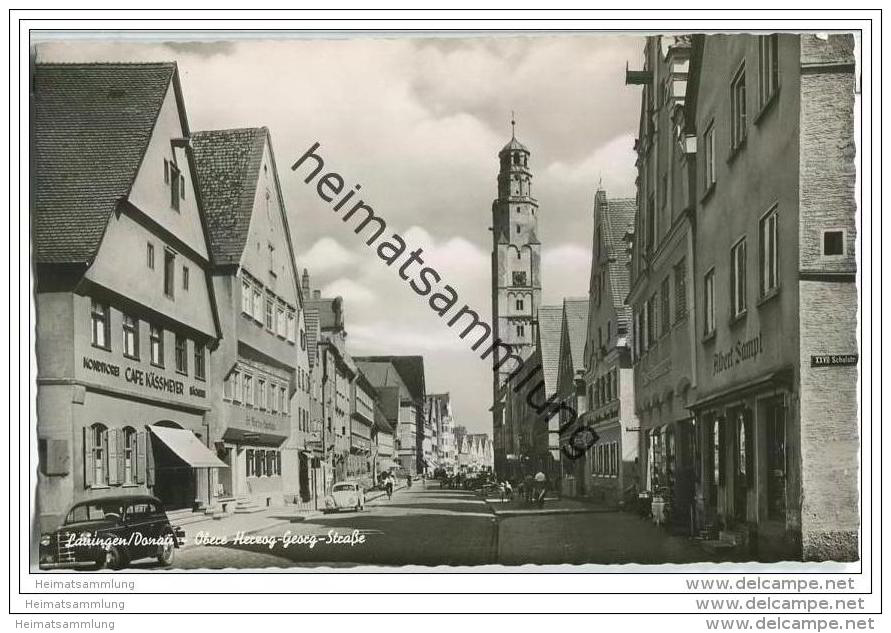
419	122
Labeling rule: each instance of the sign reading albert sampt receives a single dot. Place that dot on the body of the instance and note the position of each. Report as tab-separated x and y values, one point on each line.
835	360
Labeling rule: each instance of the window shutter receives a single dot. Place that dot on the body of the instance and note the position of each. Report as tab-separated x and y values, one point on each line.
149	461
88	459
111	438
140	457
122	456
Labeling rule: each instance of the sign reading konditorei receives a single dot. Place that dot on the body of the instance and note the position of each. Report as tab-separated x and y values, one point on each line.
149	379
737	353
834	360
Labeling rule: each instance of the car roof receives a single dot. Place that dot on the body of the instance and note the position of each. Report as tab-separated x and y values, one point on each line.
346	483
118	499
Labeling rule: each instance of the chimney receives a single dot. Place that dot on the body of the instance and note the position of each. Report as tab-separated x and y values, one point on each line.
304	283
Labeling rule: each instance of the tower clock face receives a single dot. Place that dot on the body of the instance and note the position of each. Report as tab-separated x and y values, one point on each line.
519	278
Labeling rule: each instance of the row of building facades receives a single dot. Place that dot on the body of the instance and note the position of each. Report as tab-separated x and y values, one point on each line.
714	357
179	352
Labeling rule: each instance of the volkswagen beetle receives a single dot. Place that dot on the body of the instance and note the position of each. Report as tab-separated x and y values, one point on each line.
345	495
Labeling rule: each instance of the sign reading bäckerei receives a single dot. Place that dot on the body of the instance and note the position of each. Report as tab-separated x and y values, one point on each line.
834	360
149	379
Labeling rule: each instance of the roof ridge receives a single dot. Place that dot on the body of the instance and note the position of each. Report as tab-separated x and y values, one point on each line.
107	64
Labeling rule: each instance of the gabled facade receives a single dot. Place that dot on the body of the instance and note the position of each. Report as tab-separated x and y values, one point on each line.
125	308
260	381
406	373
571	392
610	464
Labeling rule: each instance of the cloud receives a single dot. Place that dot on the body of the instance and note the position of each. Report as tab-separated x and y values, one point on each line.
354	294
565	272
327	255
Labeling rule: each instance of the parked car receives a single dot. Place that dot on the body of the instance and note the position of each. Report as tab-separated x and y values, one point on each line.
111	532
345	495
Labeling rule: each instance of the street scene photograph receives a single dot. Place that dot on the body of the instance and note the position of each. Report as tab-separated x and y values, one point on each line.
335	300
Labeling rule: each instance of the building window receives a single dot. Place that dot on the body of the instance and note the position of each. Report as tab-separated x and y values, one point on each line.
281	326
246	293
169	263
235	388
186	278
283	397
651	321
738	108
680	290
150	255
651	224
261	394
738	278
182	361
834	242
270	314
175	184
156	345
519	304
96	470
709	302
768	67
258	305
247	382
708	145
292	326
302	340
99	324
250	465
521	331
768	260
130	330
199	361
129	455
665	308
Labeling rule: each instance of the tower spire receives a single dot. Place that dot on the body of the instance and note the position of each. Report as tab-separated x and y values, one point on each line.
513	124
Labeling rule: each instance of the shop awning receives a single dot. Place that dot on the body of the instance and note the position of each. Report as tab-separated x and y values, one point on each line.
187	447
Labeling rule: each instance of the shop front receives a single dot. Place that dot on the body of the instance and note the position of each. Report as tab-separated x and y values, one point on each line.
748	471
251	446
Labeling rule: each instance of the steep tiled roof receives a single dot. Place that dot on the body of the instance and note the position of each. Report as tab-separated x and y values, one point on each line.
550	319
410	369
228	165
92	126
618	219
576	313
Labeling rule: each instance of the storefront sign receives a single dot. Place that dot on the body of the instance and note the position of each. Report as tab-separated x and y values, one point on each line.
260	423
737	353
148	379
835	360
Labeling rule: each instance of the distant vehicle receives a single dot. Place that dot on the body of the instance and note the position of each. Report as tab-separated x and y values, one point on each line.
111	532
345	495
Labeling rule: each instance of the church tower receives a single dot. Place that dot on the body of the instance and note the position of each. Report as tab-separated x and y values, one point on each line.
516	262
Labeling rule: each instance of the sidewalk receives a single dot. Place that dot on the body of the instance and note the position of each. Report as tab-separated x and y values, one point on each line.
231	524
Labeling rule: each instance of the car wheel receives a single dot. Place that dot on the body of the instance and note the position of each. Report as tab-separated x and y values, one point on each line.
166	551
115	559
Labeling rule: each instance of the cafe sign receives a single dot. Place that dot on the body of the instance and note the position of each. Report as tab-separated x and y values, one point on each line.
740	352
149	380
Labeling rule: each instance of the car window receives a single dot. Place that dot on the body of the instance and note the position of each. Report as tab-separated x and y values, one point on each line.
92	512
340	487
139	511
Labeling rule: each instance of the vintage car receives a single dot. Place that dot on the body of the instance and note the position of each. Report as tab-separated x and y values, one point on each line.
345	495
111	532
